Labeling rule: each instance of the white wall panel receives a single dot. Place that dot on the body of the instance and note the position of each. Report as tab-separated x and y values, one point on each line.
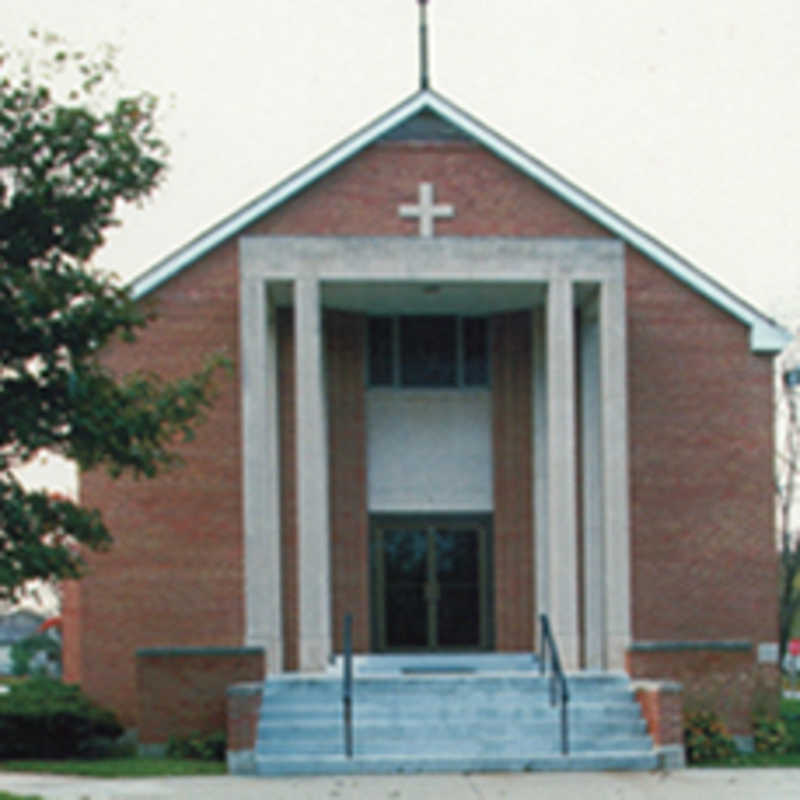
429	450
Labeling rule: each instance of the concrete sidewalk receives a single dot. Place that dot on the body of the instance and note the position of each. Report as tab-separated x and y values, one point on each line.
693	784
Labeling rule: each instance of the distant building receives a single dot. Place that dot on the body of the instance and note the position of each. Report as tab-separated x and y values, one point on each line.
14	627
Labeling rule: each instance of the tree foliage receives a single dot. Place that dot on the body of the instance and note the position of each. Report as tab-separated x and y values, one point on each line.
69	155
788	494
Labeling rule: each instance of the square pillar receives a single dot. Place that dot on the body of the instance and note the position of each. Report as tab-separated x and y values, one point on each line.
593	485
540	456
616	512
260	470
561	471
313	522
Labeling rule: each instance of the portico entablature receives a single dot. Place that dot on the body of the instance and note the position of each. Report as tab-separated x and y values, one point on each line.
452	259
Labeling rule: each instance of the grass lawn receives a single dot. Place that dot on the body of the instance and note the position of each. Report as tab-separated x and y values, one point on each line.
9	796
132	767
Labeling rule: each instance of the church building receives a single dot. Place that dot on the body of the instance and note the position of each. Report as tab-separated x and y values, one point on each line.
465	393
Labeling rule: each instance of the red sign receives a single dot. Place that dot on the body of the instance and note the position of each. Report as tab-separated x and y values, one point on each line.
794	647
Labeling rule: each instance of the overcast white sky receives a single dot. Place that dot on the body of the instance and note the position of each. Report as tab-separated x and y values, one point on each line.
680	115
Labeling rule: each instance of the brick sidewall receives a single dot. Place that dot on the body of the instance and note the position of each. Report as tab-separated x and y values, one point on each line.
244	708
704	562
182	691
174	574
662	708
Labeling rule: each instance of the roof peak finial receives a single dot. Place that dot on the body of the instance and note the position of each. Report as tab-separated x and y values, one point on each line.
423	45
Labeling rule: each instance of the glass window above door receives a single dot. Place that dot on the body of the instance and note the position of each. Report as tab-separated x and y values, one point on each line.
428	351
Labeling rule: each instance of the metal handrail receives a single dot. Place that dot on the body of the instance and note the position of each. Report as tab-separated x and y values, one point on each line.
557	679
347	686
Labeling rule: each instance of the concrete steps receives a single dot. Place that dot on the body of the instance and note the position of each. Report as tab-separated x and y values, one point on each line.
438	719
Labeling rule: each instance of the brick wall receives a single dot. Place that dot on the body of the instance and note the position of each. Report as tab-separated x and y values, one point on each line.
243	711
288	489
345	371
662	709
720	676
173	576
183	690
513	479
360	198
703	548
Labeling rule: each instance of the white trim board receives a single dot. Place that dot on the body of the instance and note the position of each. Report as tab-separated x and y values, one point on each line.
766	335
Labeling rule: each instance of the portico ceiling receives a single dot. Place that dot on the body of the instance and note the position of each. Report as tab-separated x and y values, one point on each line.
417	297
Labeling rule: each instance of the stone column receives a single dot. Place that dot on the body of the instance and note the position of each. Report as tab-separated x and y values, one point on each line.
260	471
593	488
613	379
312	480
561	466
540	449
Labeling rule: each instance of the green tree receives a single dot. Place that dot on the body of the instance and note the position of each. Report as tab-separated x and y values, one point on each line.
788	484
69	154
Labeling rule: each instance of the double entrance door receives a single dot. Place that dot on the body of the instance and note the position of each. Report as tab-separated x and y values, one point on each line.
430	584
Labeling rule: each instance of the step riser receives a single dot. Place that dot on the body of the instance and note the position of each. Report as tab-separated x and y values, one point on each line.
379	713
387	765
454	729
454	747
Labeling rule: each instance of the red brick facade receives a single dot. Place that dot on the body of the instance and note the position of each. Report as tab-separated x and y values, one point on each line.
183	691
513	470
723	678
174	574
700	433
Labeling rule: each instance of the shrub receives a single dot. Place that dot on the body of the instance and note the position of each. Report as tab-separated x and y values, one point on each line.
790	715
200	746
706	738
44	718
770	735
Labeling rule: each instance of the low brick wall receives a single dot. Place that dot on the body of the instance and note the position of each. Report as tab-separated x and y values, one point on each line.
181	690
721	676
662	707
244	705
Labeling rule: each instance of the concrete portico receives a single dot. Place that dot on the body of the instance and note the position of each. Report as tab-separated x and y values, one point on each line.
552	278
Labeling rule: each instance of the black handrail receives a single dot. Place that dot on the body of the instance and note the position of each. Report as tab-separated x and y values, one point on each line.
347	686
557	679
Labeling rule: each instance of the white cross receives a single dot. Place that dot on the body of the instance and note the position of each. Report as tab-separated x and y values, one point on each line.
426	210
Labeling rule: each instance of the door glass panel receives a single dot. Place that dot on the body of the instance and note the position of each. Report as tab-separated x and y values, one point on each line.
457	555
405	565
458	616
405	554
458	577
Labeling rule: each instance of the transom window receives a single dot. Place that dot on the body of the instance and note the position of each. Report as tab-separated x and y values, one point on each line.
427	350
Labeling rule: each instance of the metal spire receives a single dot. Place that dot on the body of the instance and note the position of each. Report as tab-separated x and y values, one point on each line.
423	45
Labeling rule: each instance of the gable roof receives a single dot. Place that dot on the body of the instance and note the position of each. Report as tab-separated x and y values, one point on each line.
766	335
